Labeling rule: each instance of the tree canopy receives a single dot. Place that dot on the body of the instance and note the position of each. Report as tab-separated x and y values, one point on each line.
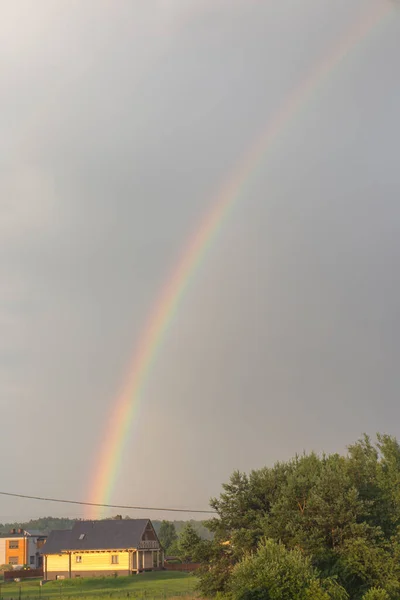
167	535
340	513
44	524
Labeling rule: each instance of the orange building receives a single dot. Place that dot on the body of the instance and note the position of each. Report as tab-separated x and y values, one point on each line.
20	548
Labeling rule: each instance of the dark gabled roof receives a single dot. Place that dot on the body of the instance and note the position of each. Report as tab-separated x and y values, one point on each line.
58	540
110	534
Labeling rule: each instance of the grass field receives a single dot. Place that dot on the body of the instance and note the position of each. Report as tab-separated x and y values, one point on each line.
146	585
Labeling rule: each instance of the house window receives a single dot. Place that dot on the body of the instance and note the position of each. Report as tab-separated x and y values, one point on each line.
13	560
32	560
13	544
114	559
78	559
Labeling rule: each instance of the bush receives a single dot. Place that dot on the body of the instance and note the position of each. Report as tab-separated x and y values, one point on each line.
5	568
275	571
326	589
376	594
256	594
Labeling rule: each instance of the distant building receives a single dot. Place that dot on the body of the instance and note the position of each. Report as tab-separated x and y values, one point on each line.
21	548
98	548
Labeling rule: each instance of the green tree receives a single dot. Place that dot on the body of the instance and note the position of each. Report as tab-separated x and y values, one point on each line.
189	543
279	573
217	564
340	512
199	526
388	480
368	561
256	594
376	594
325	589
167	535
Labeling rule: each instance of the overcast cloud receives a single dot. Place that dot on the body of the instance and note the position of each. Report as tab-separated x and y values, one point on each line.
119	122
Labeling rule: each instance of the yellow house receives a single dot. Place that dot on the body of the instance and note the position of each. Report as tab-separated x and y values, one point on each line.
98	548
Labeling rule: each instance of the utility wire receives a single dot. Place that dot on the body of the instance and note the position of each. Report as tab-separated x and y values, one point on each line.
181	510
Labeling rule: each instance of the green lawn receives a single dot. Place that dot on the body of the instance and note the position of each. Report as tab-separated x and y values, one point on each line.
146	585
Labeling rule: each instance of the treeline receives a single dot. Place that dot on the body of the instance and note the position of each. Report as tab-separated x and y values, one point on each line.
176	527
179	542
44	524
47	524
313	528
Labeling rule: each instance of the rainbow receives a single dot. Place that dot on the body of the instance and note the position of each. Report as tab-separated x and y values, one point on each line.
125	407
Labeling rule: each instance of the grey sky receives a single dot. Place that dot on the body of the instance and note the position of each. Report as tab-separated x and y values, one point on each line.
119	121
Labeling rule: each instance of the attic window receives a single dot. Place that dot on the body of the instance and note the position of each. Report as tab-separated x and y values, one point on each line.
82	536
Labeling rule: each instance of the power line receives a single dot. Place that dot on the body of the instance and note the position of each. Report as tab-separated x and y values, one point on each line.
182	510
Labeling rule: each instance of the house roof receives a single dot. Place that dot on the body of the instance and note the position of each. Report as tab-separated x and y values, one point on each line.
109	534
35	533
58	540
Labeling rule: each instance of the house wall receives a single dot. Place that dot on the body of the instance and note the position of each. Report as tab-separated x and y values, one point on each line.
31	551
92	564
100	561
56	564
27	547
148	560
2	551
19	553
